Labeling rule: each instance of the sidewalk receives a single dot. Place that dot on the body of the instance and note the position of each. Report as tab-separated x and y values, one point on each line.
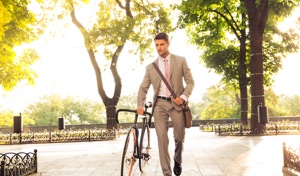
205	154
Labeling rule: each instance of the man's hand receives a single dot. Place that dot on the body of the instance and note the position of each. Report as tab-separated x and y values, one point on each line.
140	111
178	100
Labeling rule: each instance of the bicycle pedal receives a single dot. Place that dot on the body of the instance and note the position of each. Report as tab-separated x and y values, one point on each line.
146	156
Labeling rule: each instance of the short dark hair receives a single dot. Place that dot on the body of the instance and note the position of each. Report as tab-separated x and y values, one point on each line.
162	36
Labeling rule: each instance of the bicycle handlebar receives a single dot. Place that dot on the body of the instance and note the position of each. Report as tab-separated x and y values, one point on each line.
129	110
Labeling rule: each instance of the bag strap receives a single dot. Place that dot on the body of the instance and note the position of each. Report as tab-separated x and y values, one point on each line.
164	79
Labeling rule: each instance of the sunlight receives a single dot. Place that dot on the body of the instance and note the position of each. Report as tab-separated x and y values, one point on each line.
290	21
65	69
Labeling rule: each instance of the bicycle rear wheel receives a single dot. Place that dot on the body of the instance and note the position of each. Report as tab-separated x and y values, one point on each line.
128	159
144	147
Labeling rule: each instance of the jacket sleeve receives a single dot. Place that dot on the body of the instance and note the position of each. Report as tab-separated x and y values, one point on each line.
143	89
188	79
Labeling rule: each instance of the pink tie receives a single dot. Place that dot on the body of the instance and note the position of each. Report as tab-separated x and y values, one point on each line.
167	75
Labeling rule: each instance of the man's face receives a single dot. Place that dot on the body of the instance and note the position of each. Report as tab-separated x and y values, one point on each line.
162	47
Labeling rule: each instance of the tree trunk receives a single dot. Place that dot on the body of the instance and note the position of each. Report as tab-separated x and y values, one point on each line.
243	81
258	17
110	103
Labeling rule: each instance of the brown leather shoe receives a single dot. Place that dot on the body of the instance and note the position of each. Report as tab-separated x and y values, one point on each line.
177	168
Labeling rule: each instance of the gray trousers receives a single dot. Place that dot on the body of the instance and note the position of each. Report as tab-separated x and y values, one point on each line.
162	111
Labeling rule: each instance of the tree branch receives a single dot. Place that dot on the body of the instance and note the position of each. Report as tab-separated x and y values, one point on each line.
232	19
90	53
251	9
264	14
126	7
228	22
261	8
120	4
128	11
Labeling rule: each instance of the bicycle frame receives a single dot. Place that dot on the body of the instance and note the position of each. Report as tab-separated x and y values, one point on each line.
140	151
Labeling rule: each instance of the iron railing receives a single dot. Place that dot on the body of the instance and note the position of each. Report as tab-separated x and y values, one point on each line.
18	164
272	128
59	136
291	158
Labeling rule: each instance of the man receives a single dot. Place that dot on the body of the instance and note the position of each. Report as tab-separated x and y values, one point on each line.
164	105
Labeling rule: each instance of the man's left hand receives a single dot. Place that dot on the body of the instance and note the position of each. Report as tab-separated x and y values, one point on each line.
178	100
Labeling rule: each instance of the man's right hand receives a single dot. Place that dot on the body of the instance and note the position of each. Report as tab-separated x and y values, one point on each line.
140	111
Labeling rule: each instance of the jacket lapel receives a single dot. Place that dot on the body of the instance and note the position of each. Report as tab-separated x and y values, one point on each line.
156	62
172	63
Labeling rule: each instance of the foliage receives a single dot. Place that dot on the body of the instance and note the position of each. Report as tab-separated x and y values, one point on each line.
109	25
5	17
7	117
220	102
112	24
127	102
290	105
196	109
272	103
48	109
16	28
114	27
217	26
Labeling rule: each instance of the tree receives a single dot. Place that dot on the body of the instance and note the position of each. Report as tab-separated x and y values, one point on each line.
272	101
290	105
45	111
5	17
196	109
16	28
117	23
221	29
220	102
6	118
49	108
127	102
258	15
83	111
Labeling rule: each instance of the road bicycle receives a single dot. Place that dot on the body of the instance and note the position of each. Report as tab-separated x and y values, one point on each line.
135	148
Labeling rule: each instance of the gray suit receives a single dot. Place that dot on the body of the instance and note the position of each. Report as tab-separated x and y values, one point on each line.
162	109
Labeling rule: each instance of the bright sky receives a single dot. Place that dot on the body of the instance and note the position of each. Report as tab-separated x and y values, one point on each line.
65	69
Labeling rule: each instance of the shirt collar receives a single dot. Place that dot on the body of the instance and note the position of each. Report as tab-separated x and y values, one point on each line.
168	57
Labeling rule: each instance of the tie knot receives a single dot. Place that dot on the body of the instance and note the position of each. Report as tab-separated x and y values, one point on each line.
165	60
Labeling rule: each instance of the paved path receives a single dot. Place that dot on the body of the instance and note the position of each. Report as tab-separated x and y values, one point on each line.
205	154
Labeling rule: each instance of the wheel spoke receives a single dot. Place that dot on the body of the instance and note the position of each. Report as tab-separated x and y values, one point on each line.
128	159
144	148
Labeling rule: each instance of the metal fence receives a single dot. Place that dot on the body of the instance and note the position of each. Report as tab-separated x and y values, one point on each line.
291	158
272	128
59	136
18	164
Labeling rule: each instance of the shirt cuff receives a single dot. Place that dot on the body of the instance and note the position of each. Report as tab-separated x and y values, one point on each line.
184	97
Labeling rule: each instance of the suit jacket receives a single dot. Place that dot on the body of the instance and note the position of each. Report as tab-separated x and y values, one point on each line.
179	73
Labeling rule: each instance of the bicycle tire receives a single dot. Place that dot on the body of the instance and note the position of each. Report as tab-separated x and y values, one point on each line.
128	159
144	147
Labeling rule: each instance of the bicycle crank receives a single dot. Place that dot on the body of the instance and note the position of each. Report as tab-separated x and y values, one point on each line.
146	157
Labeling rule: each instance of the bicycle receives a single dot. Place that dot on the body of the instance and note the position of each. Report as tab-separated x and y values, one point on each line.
135	149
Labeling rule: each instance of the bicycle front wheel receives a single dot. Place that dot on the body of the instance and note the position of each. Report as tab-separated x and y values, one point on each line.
128	159
144	147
